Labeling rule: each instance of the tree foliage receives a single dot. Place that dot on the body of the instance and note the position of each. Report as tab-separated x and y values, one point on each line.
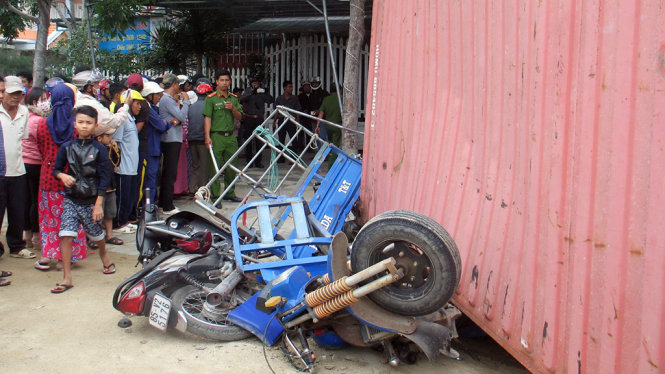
187	36
12	62
115	16
76	52
112	17
11	24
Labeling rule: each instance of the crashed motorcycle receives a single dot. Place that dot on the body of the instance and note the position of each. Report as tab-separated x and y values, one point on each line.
404	268
155	236
171	289
198	279
285	285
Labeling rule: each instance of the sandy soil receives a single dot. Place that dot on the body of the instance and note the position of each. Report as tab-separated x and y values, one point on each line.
77	332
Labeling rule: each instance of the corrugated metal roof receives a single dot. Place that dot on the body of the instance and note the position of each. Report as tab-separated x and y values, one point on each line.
252	10
338	25
535	133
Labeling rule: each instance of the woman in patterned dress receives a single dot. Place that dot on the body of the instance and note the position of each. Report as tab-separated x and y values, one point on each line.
51	133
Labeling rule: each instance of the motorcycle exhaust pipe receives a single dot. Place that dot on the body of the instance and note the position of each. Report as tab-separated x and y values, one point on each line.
345	284
218	294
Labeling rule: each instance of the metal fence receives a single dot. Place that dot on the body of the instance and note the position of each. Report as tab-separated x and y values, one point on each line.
307	56
298	60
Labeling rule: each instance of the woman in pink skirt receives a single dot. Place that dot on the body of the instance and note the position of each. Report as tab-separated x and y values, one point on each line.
181	185
51	133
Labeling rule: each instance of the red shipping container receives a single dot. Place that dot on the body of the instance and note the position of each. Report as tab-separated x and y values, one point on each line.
533	131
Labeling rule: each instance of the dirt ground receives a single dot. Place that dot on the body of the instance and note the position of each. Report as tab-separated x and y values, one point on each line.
77	332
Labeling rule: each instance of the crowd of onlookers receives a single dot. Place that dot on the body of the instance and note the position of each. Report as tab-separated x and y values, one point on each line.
76	155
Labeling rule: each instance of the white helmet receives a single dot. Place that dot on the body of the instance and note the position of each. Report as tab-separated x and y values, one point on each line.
150	88
86	77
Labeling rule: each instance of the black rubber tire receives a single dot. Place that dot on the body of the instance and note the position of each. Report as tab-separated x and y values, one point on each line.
431	257
198	325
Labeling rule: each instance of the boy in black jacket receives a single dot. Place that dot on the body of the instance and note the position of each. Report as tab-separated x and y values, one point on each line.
86	181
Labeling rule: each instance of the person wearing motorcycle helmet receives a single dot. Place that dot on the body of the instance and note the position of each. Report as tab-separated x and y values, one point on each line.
88	81
203	88
135	83
199	78
196	139
52	82
105	96
127	190
185	83
318	93
85	81
254	100
149	156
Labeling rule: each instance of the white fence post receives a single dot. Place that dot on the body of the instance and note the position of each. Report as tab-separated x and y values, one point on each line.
307	56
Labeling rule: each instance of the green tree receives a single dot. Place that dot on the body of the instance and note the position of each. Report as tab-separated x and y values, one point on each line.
76	50
14	61
187	37
12	23
16	18
113	16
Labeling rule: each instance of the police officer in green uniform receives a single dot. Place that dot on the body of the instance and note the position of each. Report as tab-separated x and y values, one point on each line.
331	111
219	110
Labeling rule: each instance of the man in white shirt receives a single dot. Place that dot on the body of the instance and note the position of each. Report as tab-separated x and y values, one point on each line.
13	184
105	119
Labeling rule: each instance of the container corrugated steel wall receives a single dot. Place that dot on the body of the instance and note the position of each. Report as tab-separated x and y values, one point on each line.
534	131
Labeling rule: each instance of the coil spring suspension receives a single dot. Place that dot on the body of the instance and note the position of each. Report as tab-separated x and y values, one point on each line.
331	306
325	279
326	293
191	280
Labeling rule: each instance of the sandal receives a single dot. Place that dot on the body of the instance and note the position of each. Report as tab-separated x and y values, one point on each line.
41	266
93	245
4	282
110	269
114	241
23	253
60	288
127	229
5	274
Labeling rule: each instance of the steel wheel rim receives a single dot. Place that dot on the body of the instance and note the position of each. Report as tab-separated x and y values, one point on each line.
194	306
417	267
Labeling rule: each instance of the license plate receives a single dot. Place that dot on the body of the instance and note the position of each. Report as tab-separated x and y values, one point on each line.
159	312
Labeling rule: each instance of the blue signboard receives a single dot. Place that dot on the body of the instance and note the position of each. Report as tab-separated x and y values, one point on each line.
134	40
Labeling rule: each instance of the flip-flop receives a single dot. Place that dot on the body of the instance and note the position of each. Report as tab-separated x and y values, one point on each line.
60	288
4	282
110	269
42	267
114	241
127	229
5	274
23	253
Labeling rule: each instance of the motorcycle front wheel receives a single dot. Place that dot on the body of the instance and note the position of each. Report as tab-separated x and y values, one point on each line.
204	320
423	250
